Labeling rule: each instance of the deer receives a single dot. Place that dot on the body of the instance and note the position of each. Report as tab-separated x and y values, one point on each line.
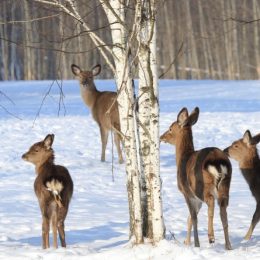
53	187
245	152
103	106
202	176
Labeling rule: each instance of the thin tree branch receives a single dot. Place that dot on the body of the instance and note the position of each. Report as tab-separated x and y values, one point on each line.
5	96
86	32
241	20
96	40
8	112
5	109
180	51
31	20
55	49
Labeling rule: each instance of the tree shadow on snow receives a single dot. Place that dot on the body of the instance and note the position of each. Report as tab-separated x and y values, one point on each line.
105	232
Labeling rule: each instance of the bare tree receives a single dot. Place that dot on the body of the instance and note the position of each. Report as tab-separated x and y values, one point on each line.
122	56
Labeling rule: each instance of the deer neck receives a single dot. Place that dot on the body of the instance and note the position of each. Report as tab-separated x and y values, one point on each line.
250	172
41	166
251	161
89	94
184	146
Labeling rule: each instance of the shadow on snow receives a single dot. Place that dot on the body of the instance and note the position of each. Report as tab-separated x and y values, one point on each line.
99	233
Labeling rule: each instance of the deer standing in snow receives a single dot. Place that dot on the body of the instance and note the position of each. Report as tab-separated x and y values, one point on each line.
103	106
245	152
202	175
53	187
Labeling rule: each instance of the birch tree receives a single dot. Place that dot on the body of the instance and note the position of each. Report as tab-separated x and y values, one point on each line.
137	130
115	13
148	121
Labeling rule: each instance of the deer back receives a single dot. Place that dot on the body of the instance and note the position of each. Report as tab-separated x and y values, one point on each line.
48	173
206	168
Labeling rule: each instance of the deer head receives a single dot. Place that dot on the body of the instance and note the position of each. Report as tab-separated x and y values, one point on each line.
184	122
244	149
86	78
40	152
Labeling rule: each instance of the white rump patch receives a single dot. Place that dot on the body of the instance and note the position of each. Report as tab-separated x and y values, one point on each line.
218	176
54	186
213	170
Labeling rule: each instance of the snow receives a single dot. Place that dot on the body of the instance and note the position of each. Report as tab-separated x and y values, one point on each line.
97	223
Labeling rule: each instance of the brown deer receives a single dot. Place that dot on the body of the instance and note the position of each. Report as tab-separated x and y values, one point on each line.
202	175
103	106
245	152
53	187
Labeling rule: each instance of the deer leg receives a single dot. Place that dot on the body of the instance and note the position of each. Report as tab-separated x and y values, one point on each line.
119	151
194	207
45	232
223	203
61	233
211	204
54	230
104	137
189	227
255	220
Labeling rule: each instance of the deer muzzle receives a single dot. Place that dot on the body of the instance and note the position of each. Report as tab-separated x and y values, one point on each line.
226	151
24	157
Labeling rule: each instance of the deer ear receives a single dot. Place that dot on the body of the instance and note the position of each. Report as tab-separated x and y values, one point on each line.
75	69
193	118
247	137
182	117
96	70
256	139
48	141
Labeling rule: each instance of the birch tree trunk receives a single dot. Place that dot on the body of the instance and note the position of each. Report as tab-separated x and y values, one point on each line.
114	10
118	58
148	119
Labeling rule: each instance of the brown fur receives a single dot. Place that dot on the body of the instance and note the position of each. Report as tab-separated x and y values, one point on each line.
54	207
244	151
195	178
103	106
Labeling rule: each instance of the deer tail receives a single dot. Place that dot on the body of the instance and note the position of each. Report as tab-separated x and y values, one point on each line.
55	187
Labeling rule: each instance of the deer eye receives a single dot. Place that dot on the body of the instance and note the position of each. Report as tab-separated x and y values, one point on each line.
36	150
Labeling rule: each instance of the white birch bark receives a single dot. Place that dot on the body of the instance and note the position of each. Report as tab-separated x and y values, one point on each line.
149	120
114	10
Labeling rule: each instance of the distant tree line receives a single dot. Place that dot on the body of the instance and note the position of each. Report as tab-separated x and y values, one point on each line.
196	39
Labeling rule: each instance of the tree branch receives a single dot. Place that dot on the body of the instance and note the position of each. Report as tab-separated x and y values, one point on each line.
180	51
241	20
75	14
54	49
31	20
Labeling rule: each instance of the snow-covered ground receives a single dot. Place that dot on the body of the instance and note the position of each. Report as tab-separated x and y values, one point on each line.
97	223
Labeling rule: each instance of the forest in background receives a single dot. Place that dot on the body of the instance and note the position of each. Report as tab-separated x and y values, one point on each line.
196	39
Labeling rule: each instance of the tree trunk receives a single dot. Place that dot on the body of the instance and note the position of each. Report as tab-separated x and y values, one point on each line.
148	119
4	45
126	104
27	61
256	9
